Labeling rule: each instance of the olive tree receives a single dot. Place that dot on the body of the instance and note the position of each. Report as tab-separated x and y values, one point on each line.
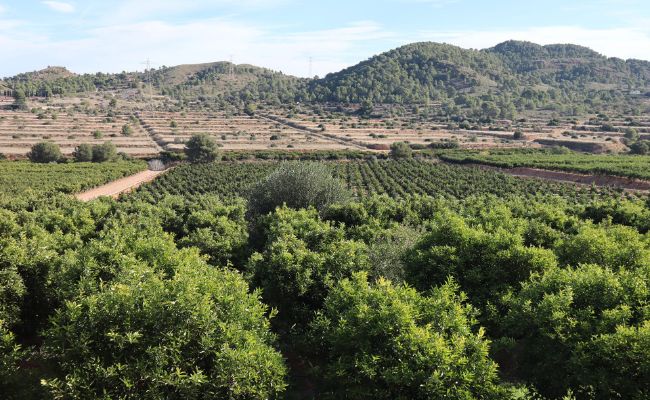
298	185
104	152
83	153
45	152
201	148
400	150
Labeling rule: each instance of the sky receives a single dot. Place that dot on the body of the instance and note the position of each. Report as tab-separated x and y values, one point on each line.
121	35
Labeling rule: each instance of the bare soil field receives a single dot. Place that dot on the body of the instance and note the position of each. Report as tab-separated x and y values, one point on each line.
232	132
19	130
597	134
91	119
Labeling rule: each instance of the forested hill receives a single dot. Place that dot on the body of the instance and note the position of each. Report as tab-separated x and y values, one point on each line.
522	74
496	82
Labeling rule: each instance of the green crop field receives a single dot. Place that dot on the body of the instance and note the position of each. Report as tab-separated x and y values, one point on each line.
394	178
630	166
17	177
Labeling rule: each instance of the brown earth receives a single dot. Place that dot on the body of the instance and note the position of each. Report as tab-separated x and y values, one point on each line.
115	188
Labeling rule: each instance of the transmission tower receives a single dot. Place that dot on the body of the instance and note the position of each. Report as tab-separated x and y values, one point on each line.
311	62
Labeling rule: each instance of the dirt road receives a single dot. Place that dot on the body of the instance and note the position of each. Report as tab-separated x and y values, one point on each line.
115	188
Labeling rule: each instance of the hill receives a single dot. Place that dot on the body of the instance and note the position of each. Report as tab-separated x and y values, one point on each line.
499	82
226	81
496	81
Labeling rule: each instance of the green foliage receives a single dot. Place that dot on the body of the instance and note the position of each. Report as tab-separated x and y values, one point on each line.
104	152
17	178
12	376
217	228
107	306
379	341
250	109
640	147
201	148
485	262
12	292
562	318
45	152
127	130
518	134
20	100
301	259
398	179
631	134
298	185
609	246
400	150
83	153
194	334
617	364
618	165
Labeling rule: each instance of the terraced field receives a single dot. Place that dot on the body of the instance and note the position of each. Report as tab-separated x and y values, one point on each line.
232	132
19	130
595	134
379	133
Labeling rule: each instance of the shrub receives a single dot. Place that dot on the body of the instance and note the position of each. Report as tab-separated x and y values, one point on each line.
486	263
45	152
127	130
298	185
301	259
14	380
400	150
83	153
104	152
631	134
201	148
641	147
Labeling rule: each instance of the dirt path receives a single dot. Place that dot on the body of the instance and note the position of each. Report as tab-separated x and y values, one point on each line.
115	188
327	137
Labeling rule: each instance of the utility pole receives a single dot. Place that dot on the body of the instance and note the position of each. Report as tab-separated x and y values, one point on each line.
149	79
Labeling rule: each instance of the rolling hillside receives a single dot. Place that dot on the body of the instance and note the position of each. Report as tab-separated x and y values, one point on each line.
497	82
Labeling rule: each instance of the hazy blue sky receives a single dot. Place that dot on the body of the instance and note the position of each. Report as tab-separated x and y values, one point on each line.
112	36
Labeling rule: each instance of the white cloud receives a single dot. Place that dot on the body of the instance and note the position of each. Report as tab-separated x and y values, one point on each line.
2	9
124	47
628	42
59	6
